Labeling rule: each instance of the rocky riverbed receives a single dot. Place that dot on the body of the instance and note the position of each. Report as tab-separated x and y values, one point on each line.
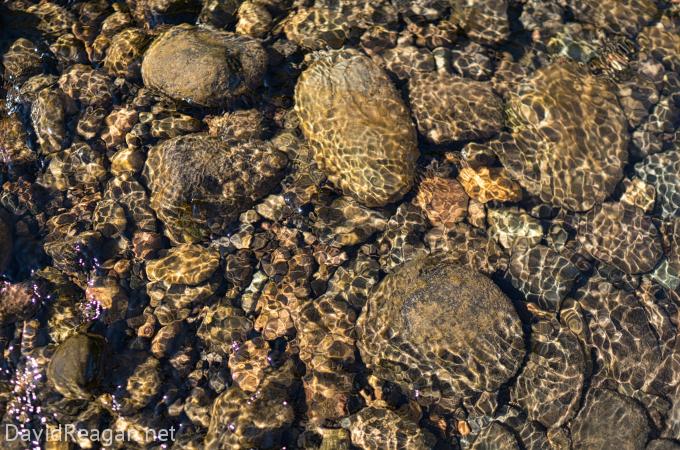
340	224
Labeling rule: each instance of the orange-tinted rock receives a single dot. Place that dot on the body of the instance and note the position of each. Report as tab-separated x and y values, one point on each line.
489	183
443	200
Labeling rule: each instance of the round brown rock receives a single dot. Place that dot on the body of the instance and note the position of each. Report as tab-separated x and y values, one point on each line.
440	330
200	184
569	137
609	421
223	65
361	132
75	367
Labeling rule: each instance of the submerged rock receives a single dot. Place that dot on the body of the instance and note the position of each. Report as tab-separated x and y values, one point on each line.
489	183
449	108
633	338
48	116
543	276
662	170
240	420
318	28
483	20
374	427
361	132
223	65
663	41
550	384
89	86
21	60
452	327
495	437
184	264
621	17
76	366
201	184
569	140
124	55
622	236
610	421
443	200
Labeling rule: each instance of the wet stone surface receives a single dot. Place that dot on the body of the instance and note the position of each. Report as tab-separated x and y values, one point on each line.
341	224
417	297
340	94
224	65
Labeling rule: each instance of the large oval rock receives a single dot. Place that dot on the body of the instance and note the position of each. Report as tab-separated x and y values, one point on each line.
222	65
75	367
200	184
360	129
440	329
570	137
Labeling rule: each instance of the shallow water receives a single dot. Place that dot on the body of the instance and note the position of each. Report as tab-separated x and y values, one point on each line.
340	224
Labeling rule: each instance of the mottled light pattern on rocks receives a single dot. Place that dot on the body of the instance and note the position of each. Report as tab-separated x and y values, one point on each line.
381	428
662	171
490	183
543	276
622	236
449	108
240	420
495	436
621	17
663	42
569	140
514	227
224	65
192	245
201	184
632	349
442	199
406	323
184	264
609	421
550	384
317	28
485	20
361	132
124	55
